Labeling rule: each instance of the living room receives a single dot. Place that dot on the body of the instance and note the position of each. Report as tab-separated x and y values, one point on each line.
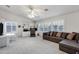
39	29
29	29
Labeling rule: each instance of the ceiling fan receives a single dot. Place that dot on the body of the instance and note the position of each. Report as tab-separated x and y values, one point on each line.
32	12
8	6
35	11
31	8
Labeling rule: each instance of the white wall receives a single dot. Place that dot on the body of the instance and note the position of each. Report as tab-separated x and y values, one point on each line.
71	21
6	16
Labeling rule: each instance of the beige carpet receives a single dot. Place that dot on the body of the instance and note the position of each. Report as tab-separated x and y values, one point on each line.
31	45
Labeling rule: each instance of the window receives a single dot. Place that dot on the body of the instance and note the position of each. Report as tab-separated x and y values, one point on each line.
10	27
61	28
53	26
13	27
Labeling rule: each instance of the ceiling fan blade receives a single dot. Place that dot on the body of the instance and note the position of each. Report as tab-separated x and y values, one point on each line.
8	6
30	7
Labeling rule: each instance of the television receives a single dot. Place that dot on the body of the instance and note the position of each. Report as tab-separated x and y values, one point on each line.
1	28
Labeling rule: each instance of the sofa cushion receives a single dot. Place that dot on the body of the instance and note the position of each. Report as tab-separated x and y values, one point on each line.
71	36
51	34
48	33
64	35
77	36
56	38
59	34
70	43
53	37
54	34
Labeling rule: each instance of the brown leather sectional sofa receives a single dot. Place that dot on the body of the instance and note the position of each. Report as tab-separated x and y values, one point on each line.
68	42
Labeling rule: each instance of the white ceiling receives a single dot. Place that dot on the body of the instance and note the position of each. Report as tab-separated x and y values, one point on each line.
53	10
